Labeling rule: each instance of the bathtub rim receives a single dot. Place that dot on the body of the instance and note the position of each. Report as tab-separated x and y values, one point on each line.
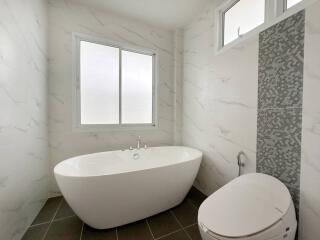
55	171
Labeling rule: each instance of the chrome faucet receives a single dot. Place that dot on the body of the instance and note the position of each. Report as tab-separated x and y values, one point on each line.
139	142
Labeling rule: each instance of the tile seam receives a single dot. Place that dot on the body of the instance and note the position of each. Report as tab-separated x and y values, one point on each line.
150	229
81	230
180	224
58	208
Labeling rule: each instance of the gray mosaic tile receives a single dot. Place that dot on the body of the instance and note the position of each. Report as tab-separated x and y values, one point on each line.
281	53
279	146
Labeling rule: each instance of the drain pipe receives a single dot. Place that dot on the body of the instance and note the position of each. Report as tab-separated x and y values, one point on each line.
241	163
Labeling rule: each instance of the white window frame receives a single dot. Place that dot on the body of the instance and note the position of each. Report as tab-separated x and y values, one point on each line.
76	99
275	10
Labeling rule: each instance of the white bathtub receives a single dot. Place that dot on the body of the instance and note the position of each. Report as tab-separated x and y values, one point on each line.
110	189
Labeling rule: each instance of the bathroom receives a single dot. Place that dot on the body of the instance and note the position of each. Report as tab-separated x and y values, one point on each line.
223	103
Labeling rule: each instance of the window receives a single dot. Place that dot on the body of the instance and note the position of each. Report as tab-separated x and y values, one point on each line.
291	3
238	17
241	17
116	84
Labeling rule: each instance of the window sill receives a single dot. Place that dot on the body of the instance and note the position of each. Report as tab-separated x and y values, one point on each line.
254	34
114	128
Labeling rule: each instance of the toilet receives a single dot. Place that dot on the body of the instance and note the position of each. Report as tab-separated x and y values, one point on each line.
251	207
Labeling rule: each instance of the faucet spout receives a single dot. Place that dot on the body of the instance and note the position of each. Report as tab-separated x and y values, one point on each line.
139	142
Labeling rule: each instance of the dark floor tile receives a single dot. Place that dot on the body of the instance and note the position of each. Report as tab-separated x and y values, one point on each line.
163	224
193	232
181	235
66	229
64	210
196	197
186	213
135	231
47	212
36	232
90	233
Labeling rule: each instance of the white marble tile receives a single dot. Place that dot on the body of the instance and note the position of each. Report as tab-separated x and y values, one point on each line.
67	17
219	102
310	164
23	121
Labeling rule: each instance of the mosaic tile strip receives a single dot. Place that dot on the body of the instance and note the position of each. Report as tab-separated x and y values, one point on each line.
279	146
280	89
281	52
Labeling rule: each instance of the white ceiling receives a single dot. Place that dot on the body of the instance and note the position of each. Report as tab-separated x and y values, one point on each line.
170	14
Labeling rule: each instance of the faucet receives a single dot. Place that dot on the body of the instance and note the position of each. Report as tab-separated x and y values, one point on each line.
139	142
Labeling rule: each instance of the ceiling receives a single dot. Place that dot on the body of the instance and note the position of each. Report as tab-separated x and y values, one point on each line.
169	14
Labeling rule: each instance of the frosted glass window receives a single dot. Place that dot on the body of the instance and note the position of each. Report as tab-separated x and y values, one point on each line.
99	83
137	84
115	84
242	17
291	3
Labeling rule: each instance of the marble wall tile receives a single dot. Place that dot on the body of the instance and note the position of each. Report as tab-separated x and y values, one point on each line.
310	163
23	117
67	17
178	73
219	102
220	95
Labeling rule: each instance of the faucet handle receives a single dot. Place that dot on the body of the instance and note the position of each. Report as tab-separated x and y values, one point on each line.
145	146
130	148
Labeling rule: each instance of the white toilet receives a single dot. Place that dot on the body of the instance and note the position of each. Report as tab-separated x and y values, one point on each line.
251	207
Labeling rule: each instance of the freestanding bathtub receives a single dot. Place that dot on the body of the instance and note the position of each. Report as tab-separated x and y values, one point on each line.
110	189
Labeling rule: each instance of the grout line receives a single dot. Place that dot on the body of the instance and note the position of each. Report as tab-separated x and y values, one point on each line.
63	218
180	224
168	234
187	234
191	225
39	224
55	214
81	230
117	233
172	213
150	229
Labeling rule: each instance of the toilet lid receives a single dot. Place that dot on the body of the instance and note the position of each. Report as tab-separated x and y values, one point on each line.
247	205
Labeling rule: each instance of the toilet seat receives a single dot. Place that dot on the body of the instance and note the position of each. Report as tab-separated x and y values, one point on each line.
247	206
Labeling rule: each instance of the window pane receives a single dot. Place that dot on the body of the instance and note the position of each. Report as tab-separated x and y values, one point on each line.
136	87
244	15
291	3
99	74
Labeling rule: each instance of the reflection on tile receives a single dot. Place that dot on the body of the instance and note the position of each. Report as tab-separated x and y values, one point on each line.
47	212
90	233
163	224
69	228
36	232
135	231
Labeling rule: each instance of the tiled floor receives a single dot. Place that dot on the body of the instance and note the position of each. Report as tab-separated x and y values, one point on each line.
57	221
